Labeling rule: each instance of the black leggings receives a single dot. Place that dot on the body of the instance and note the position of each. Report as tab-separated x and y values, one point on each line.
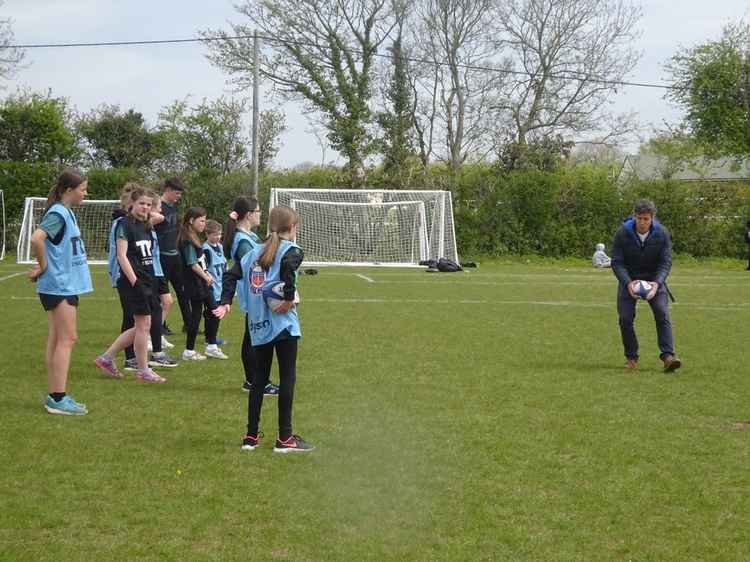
172	268
128	321
194	321
249	363
286	354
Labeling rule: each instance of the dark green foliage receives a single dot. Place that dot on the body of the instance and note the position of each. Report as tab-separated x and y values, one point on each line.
33	129
398	121
19	180
118	139
209	135
706	219
546	154
713	84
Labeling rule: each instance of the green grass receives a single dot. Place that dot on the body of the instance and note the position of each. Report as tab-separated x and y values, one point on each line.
476	416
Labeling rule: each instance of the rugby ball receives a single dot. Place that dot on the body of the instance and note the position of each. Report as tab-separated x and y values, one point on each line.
274	295
642	289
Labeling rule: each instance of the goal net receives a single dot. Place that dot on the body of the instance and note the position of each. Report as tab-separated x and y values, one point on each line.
371	227
94	219
2	218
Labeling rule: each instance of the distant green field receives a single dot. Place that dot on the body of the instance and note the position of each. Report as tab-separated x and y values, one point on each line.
472	416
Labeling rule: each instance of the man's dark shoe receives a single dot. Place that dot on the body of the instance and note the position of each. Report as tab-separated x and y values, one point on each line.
671	363
166	330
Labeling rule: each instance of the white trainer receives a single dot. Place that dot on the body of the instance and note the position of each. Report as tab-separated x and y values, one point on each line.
165	343
215	352
192	355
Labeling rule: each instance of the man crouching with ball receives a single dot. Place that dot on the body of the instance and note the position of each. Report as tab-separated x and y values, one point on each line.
642	251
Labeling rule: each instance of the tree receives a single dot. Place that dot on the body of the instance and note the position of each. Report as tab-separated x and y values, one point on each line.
209	135
33	128
712	83
271	126
397	121
10	57
319	51
118	139
455	91
568	57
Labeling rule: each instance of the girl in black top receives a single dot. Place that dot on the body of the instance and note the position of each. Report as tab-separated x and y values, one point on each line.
196	281
137	285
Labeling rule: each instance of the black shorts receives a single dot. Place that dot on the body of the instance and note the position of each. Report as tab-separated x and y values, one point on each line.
137	301
50	302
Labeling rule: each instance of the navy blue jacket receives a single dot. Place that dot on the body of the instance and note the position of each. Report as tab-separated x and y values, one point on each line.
650	260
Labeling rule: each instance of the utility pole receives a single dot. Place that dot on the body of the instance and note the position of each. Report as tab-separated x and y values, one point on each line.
256	86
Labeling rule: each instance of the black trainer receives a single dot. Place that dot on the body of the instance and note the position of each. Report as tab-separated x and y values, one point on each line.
250	442
294	444
271	390
166	330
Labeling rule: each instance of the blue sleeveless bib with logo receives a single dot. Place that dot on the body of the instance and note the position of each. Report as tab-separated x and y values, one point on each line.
263	324
239	236
217	268
67	270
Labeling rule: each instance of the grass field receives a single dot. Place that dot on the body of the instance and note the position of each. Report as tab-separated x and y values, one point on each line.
476	416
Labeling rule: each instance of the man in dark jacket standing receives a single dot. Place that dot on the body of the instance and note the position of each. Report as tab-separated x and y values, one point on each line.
642	251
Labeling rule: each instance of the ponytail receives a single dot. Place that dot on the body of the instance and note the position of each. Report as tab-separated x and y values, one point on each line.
242	206
269	251
69	179
281	219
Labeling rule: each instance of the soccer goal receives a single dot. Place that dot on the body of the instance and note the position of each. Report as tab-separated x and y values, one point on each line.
2	217
371	227
94	219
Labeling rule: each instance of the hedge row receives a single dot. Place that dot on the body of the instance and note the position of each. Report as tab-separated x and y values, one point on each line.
562	213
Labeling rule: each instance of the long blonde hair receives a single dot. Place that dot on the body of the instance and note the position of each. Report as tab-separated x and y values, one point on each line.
136	192
281	220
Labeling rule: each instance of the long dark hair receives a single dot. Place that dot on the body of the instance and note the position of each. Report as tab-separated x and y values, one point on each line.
186	229
69	179
242	206
280	220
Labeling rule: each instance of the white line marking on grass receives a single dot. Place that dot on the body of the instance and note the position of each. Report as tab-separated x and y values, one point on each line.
366	278
740	306
572	304
12	276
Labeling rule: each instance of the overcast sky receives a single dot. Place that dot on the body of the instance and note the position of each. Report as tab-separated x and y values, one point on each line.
148	78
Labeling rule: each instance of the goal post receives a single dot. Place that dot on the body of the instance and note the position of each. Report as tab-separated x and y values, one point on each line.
371	227
94	218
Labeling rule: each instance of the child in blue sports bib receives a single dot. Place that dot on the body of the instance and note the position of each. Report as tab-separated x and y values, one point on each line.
62	273
273	263
239	239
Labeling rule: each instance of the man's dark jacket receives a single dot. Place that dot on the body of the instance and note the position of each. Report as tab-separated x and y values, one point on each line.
650	260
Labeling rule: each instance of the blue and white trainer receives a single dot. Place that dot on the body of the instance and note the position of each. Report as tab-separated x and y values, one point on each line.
66	406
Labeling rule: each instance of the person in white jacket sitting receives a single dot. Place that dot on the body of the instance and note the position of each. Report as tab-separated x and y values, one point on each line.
600	258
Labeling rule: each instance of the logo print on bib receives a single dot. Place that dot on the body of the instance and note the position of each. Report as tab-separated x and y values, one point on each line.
257	279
